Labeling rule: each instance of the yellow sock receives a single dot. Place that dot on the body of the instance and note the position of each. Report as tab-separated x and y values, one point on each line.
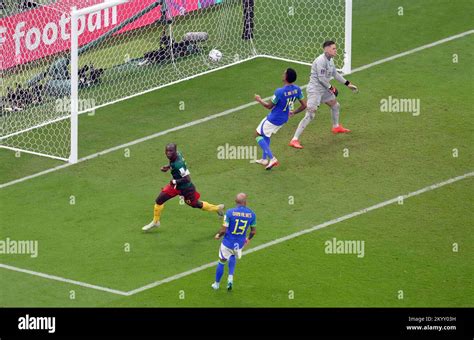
209	207
157	212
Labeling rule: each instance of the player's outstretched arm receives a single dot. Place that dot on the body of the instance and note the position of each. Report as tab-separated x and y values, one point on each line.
165	168
346	82
339	77
267	105
352	87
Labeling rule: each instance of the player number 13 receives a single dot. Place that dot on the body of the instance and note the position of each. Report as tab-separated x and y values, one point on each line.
239	229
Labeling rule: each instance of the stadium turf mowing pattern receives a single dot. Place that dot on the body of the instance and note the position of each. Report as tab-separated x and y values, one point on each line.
408	247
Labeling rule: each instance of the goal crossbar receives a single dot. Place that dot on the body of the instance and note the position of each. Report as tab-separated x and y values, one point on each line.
76	51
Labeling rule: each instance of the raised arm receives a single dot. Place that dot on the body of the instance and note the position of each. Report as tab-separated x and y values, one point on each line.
267	105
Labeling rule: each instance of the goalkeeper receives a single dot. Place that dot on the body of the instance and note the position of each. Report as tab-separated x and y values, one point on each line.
320	91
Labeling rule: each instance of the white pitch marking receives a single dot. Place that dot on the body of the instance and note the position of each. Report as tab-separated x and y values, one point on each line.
62	279
306	231
224	113
257	248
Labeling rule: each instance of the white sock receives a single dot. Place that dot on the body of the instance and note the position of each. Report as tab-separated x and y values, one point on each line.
335	115
303	124
230	278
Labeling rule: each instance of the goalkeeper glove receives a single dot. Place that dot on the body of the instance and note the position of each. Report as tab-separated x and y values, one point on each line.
334	90
353	88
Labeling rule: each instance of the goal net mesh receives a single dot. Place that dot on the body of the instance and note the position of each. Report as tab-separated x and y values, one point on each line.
137	47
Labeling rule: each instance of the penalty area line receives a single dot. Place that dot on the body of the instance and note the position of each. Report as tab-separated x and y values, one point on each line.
252	250
417	49
62	279
225	113
306	231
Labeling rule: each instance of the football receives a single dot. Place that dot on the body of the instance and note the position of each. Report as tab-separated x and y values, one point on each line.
215	56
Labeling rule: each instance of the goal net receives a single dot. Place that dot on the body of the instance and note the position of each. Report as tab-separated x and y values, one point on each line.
60	58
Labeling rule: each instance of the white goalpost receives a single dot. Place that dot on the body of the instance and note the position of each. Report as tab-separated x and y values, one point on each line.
75	15
58	61
347	66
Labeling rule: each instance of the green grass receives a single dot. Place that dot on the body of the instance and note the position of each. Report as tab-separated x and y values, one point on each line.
424	267
408	247
378	30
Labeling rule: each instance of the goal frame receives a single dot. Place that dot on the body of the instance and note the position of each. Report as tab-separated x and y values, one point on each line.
75	14
74	69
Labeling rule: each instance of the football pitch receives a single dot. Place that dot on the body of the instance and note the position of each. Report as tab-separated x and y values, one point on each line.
400	185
